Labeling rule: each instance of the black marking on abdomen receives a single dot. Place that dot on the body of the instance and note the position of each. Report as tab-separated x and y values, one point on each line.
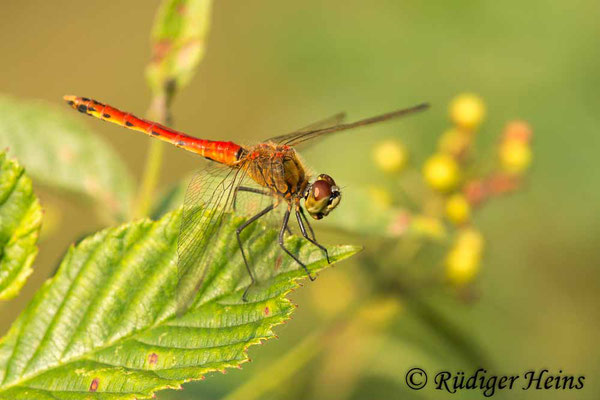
128	123
154	133
106	116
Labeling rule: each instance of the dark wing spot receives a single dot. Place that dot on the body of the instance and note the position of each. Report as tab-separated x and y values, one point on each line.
82	108
154	133
106	115
128	123
85	99
92	109
70	102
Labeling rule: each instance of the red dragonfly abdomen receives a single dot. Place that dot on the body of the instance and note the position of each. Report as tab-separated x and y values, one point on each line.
221	152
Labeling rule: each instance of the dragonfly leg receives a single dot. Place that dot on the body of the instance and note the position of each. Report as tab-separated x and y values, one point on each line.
312	240
238	232
252	190
310	229
286	219
247	189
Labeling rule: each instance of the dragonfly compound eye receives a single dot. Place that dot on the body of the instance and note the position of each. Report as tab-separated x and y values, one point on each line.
322	197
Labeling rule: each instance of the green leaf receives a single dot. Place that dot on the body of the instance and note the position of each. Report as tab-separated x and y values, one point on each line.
106	322
59	150
20	222
178	40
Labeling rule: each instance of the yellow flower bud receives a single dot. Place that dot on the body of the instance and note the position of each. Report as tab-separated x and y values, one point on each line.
461	266
390	156
454	142
428	226
458	209
470	240
515	156
441	172
467	110
464	259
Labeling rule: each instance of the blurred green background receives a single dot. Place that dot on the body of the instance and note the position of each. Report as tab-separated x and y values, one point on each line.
274	66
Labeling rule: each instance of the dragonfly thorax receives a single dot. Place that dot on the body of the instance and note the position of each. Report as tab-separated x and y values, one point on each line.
277	168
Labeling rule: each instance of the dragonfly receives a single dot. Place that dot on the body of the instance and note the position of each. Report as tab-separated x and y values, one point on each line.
271	169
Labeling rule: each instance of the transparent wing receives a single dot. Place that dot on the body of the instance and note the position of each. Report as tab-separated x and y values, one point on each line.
296	138
334	120
209	195
251	198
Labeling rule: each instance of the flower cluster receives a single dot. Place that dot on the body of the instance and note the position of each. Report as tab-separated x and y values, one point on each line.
458	183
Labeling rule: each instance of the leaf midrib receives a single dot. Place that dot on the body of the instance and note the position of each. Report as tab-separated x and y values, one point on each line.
25	377
126	253
10	191
86	357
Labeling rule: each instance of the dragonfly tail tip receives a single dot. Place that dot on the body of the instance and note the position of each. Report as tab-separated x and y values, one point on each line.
69	97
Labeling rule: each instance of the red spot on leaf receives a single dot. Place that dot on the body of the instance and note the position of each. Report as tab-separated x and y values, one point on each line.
267	311
152	358
94	385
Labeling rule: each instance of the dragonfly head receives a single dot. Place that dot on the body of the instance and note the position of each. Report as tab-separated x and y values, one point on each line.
322	196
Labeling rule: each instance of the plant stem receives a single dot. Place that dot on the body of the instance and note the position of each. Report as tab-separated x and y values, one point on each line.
150	179
158	111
